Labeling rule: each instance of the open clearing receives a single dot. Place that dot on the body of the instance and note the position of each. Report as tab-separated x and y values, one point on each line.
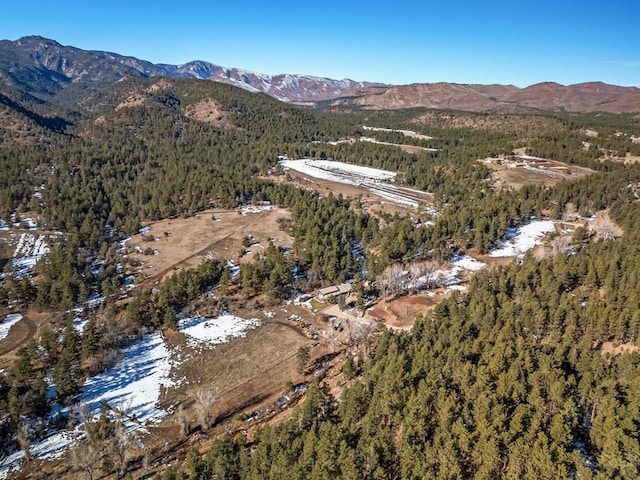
372	185
185	242
400	313
243	362
406	133
403	146
370	202
518	171
248	371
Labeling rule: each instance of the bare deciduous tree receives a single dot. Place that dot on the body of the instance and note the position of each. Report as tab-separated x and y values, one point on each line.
23	436
570	213
361	333
604	227
117	449
423	274
396	279
146	459
182	421
560	244
205	399
329	337
389	280
87	456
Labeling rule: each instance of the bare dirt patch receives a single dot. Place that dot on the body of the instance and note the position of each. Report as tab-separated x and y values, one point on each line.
133	100
208	111
626	159
245	372
401	313
217	233
515	173
612	350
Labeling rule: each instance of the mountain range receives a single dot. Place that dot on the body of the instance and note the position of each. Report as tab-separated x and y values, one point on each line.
44	69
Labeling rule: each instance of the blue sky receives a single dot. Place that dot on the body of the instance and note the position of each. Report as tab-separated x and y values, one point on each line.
507	42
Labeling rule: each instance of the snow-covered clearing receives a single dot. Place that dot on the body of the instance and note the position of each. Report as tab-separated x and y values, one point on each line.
9	321
516	243
337	171
135	382
51	447
522	239
215	330
372	179
467	263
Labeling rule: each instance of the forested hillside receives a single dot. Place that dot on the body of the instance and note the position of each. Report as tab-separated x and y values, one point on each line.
507	381
511	379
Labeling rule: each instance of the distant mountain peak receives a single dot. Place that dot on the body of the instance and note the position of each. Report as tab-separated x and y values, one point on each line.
43	67
36	39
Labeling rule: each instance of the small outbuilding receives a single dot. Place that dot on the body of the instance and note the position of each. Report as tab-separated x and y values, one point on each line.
331	293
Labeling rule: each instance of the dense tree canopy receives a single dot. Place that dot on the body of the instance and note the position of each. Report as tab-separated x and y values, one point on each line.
506	381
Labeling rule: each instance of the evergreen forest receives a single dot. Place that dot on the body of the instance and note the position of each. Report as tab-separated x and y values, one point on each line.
508	379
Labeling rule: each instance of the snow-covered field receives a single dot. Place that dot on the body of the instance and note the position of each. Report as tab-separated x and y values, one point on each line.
467	263
373	179
134	383
522	239
9	321
518	241
338	171
215	330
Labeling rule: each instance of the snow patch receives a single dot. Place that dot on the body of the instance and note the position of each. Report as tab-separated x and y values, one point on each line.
79	324
467	263
215	330
373	179
9	321
522	239
28	252
134	382
246	210
233	268
337	171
